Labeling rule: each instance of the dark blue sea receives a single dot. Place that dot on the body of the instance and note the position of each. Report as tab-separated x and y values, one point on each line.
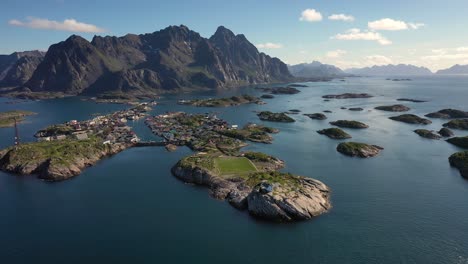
406	205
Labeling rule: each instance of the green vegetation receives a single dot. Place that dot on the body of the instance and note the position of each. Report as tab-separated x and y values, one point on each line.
252	132
393	108
361	150
426	134
59	152
457	124
274	177
7	119
258	156
349	124
234	165
205	161
461	142
54	130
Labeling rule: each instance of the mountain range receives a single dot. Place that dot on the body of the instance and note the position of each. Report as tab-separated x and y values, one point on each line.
316	70
18	67
456	69
170	60
390	70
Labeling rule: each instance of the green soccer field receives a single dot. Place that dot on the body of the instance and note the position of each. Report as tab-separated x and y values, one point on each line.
234	165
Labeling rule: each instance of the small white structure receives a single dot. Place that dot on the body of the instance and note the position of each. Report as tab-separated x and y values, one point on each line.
234	126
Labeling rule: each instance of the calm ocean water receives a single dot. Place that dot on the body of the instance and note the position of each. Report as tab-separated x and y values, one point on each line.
406	205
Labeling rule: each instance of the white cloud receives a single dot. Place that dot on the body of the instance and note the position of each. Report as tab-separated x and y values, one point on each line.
341	17
357	34
377	60
393	25
447	54
336	53
416	25
462	49
269	45
310	15
66	25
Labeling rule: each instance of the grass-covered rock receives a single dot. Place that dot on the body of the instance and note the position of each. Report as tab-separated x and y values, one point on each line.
461	142
459	160
275	117
393	108
316	116
445	132
7	119
356	149
334	133
461	124
427	134
411	119
349	124
448	113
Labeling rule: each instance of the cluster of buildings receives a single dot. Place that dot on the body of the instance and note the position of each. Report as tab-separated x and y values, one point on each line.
111	128
180	128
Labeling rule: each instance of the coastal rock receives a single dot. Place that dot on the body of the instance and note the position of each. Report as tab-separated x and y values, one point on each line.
171	147
347	96
461	142
334	133
459	160
349	124
275	117
445	132
355	149
457	124
411	100
448	113
280	90
267	96
283	204
427	134
393	108
316	116
411	119
327	111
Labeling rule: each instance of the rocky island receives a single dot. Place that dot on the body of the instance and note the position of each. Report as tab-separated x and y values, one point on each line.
275	117
448	113
356	109
393	108
411	119
316	116
7	119
249	181
222	102
459	160
361	150
445	132
347	96
334	133
461	124
427	134
280	90
349	124
461	142
411	100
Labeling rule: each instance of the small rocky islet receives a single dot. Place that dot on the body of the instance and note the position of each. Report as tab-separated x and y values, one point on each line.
275	117
448	113
445	132
393	108
459	160
356	109
357	149
349	124
280	90
411	119
334	133
316	116
347	96
461	142
411	100
222	102
461	124
427	134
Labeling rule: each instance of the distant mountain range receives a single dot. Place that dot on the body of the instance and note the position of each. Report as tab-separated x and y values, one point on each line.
316	70
170	60
456	69
390	70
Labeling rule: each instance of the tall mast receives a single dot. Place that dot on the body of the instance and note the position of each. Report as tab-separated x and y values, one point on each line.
17	139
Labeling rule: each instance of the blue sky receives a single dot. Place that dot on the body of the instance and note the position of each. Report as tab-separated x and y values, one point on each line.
428	33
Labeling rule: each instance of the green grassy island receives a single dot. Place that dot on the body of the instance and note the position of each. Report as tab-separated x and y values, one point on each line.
275	117
222	102
7	119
